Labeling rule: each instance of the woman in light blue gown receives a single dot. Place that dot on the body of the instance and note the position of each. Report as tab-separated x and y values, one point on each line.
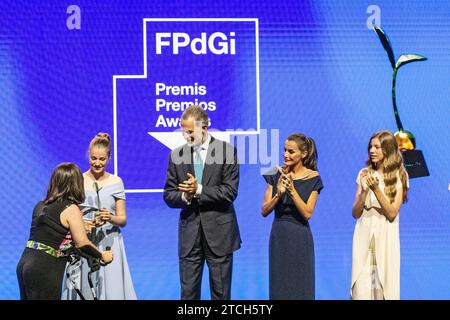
104	213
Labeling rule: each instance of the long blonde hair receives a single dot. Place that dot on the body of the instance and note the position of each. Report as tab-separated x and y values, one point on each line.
392	164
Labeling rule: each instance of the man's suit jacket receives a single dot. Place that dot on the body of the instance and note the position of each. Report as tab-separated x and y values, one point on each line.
214	208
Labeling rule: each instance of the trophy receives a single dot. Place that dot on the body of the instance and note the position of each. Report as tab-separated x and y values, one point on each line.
413	159
97	213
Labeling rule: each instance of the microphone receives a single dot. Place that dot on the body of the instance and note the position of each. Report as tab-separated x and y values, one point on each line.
93	235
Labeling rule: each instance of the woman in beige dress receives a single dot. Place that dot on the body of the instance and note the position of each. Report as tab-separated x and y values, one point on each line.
381	190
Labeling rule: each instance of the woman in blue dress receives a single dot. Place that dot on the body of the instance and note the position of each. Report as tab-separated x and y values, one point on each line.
105	214
292	191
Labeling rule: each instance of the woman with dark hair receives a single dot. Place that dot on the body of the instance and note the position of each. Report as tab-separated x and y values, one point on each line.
382	188
56	221
292	191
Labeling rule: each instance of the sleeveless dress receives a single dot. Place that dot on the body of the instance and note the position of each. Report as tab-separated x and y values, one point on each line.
376	250
291	247
112	282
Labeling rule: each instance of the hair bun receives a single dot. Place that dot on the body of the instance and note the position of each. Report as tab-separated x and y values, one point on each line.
101	139
104	135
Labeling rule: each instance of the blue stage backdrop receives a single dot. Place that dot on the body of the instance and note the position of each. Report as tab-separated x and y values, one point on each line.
71	69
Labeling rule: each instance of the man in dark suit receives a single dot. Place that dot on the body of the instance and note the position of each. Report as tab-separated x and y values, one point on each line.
202	179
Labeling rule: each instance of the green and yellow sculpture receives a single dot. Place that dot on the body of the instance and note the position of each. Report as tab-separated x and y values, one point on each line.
405	139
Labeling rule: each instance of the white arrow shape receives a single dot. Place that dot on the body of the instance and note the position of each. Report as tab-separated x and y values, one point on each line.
173	140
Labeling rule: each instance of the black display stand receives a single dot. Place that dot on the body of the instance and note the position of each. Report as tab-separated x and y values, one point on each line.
415	163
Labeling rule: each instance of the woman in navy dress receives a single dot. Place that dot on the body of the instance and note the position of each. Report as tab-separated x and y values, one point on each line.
292	191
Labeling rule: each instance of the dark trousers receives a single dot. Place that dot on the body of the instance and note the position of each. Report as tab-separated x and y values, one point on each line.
40	275
191	270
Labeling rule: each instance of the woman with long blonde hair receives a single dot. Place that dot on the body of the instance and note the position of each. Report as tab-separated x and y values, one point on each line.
104	211
382	188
